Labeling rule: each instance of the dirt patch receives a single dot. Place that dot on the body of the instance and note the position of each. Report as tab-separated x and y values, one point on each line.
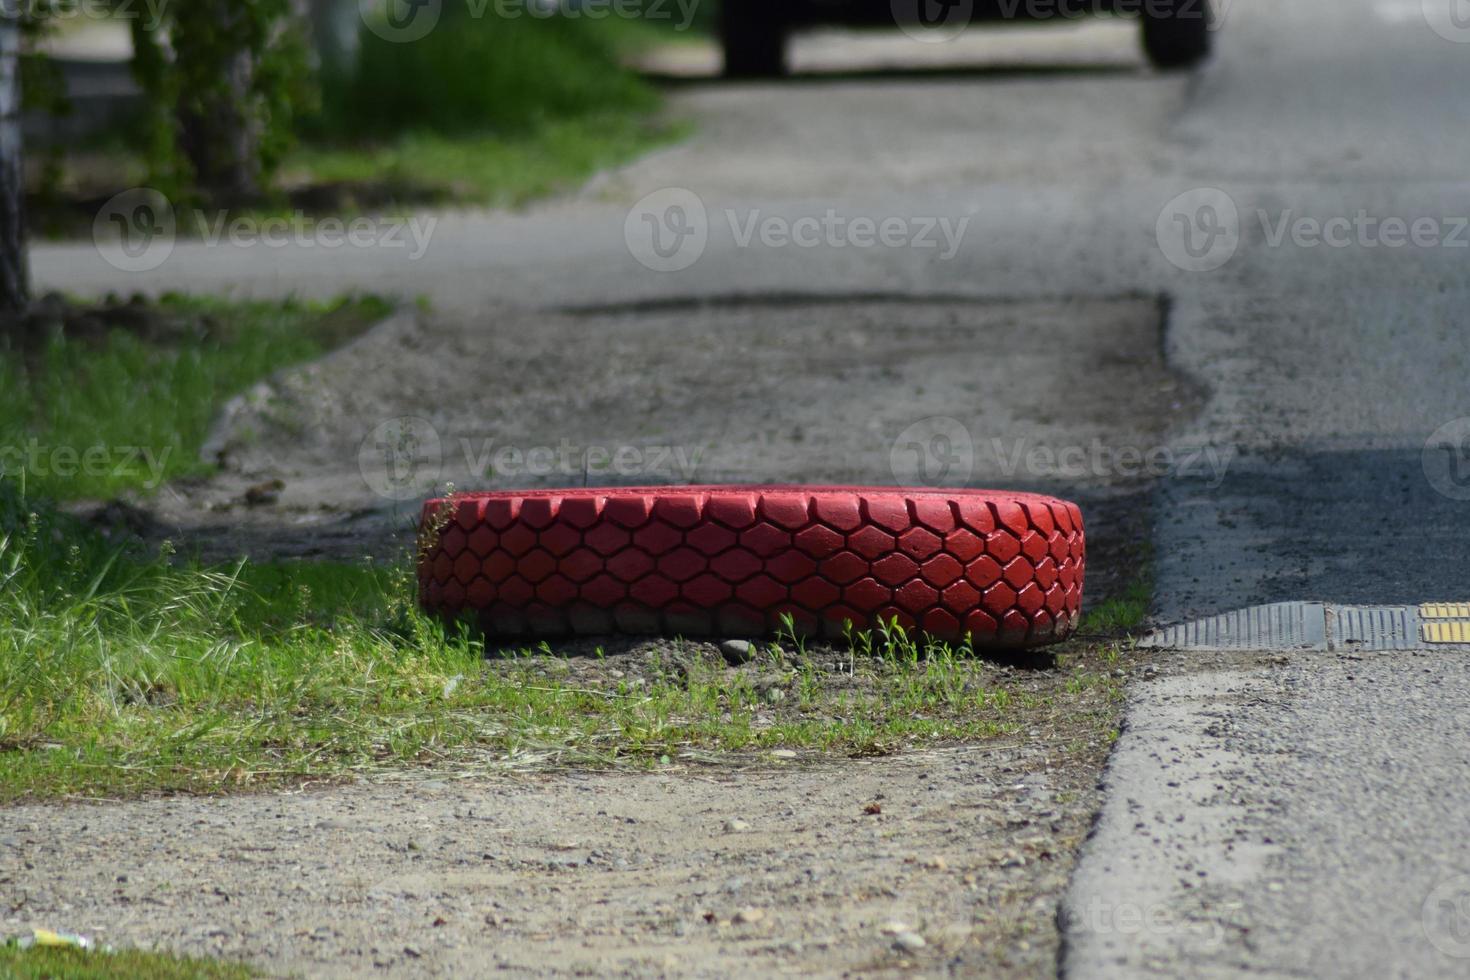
944	860
786	868
816	391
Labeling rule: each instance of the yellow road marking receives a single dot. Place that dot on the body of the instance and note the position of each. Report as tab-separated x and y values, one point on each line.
1447	632
1445	610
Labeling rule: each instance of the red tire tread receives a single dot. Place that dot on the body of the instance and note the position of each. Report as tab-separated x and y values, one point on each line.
1006	568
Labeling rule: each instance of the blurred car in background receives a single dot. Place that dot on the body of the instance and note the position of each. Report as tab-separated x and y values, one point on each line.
1175	33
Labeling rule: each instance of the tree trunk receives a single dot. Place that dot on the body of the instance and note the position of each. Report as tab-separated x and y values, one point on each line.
14	289
220	131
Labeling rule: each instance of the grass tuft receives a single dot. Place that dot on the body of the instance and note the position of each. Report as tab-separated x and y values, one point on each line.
95	417
124	673
77	964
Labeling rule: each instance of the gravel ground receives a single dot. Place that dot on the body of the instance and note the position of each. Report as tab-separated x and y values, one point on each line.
947	861
777	390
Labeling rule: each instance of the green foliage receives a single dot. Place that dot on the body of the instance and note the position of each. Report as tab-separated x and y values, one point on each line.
189	63
477	72
128	393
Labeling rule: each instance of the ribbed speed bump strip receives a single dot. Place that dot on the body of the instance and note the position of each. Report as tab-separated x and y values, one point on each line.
1319	626
1372	627
1447	631
1445	610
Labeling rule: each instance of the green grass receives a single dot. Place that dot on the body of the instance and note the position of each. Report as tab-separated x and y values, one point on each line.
483	110
1123	613
484	168
82	419
483	73
75	964
122	673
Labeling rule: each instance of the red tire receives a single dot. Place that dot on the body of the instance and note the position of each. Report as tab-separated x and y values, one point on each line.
1005	568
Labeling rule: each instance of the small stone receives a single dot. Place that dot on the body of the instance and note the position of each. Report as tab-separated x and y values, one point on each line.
873	809
264	493
783	754
895	927
748	916
736	826
908	942
936	864
737	652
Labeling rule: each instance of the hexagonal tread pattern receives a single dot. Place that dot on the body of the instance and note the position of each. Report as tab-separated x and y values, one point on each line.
1004	568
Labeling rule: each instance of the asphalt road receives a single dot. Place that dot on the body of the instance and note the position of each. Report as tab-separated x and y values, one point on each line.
1301	817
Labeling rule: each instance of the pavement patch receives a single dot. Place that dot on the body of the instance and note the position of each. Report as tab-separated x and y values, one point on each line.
1320	626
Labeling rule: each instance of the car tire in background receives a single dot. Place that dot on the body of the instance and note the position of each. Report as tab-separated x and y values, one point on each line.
1177	33
753	33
